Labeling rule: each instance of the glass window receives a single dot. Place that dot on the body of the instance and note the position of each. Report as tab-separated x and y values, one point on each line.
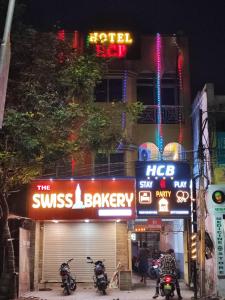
115	90
101	91
169	89
145	94
145	89
109	90
168	96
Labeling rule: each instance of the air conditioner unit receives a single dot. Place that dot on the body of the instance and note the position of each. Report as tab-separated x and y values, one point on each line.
144	154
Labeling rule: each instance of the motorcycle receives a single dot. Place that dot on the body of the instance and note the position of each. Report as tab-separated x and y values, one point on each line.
167	286
68	282
100	277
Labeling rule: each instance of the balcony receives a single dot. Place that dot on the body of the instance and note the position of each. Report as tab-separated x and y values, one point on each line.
170	114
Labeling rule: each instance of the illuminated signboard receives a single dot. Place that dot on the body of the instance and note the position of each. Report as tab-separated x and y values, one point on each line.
163	189
110	37
110	44
81	199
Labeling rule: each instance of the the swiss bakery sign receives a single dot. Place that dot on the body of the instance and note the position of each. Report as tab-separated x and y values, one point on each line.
81	199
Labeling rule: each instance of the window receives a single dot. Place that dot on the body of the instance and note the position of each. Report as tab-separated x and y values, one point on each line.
101	91
145	89
168	96
109	90
109	165
169	89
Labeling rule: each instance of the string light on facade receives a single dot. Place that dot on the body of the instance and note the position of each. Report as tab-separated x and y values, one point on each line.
159	138
61	35
123	117
124	98
180	63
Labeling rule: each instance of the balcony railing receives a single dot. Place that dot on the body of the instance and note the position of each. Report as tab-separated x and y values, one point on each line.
170	114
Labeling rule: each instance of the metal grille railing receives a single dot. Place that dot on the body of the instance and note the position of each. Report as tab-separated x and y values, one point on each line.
170	114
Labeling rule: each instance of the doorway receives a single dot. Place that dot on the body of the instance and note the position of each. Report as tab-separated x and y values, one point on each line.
171	234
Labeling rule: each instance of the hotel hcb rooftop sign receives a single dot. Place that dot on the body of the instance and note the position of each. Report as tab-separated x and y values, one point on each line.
110	43
80	199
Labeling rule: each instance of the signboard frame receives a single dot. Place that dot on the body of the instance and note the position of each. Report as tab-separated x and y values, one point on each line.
163	189
78	199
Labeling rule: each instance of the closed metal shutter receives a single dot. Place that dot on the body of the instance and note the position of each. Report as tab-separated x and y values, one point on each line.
63	241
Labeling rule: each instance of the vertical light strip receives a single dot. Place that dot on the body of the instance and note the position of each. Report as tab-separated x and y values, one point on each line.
180	77
159	139
180	64
123	117
124	98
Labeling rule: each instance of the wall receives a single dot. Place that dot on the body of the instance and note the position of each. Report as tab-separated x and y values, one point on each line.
122	244
173	238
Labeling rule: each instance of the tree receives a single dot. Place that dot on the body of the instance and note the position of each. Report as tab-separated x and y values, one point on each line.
51	114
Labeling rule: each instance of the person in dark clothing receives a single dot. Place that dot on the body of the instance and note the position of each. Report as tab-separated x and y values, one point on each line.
168	266
143	262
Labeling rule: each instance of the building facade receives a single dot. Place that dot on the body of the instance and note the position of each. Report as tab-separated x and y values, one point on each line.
155	71
208	133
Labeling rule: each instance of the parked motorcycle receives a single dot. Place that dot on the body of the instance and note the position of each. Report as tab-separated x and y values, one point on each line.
167	286
68	282
100	277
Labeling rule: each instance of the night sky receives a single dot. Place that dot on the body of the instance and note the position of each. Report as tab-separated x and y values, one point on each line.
203	22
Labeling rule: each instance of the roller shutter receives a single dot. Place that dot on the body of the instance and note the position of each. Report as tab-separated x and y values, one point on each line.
63	241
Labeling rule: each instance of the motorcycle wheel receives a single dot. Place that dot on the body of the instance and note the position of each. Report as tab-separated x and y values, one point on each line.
67	290
104	292
167	297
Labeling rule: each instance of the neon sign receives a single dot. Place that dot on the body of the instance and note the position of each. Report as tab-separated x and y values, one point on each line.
145	197
61	200
145	184
163	193
163	187
71	199
180	184
112	50
182	196
110	44
110	37
160	170
163	205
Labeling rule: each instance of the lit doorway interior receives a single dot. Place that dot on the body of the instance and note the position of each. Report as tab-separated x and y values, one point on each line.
171	234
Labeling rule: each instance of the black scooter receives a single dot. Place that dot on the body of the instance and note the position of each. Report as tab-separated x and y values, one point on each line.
100	277
68	282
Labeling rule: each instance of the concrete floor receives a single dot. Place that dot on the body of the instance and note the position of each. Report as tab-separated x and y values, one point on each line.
88	292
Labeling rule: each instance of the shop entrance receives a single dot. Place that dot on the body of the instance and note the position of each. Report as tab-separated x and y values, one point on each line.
159	235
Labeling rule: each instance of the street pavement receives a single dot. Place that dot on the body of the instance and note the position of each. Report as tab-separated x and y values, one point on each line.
88	292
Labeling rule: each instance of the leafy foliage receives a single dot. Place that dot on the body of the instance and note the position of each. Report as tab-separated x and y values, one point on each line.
51	114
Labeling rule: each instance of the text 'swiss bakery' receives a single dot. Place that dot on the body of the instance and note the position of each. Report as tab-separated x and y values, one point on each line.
56	196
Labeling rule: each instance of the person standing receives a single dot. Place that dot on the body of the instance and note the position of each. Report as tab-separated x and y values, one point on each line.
143	262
